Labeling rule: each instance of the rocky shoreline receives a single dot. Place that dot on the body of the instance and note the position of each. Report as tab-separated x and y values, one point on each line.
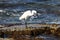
30	32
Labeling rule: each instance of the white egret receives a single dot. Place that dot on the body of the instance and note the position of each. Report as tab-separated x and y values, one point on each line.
27	14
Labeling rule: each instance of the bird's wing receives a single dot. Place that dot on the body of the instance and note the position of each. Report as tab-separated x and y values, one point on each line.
25	15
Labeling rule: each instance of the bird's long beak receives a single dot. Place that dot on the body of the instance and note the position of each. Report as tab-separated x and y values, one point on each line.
39	14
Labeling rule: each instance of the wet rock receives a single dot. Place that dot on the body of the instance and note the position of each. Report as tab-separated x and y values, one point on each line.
57	33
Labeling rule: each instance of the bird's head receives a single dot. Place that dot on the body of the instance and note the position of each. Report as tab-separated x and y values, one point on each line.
34	12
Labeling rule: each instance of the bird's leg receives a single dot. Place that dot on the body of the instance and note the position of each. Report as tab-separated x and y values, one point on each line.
25	24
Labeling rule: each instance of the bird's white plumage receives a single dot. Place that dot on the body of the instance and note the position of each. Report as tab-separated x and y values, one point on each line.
26	14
